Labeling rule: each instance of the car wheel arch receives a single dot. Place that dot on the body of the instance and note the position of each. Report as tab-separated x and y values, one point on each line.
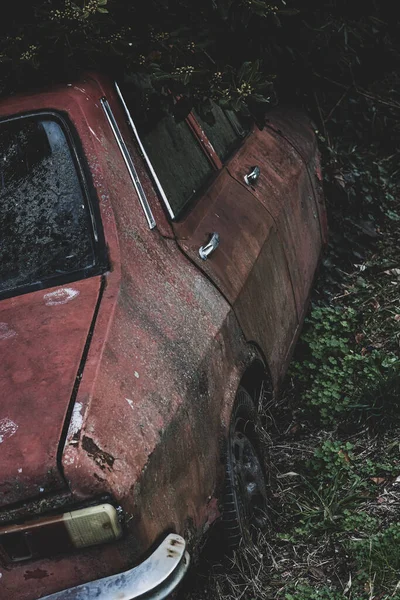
257	380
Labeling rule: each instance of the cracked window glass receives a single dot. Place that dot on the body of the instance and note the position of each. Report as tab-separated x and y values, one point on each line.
45	227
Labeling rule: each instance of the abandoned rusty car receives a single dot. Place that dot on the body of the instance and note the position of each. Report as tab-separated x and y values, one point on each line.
154	280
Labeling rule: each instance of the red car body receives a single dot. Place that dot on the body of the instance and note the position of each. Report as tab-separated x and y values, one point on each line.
121	384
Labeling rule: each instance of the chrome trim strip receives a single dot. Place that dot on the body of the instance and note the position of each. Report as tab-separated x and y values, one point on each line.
129	163
150	166
154	579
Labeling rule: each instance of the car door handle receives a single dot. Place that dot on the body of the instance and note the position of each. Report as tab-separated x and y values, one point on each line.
252	175
207	249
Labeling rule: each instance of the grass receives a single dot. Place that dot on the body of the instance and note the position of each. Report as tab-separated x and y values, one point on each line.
333	436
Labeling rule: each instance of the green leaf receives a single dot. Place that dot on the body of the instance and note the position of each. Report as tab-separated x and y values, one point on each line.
393	216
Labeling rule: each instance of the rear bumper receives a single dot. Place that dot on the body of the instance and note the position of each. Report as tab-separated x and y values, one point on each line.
153	579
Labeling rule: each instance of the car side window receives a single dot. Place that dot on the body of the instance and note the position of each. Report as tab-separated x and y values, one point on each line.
45	224
226	131
181	165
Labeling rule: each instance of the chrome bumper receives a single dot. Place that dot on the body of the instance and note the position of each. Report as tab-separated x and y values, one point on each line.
153	579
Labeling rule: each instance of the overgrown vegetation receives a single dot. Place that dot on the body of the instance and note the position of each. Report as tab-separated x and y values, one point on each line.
334	437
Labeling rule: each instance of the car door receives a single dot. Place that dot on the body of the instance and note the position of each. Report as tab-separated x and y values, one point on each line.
248	266
284	187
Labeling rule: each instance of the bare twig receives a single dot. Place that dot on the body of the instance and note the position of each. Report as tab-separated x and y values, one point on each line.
362	92
342	97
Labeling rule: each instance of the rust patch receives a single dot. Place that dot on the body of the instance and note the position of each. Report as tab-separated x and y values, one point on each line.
36	574
176	543
100	457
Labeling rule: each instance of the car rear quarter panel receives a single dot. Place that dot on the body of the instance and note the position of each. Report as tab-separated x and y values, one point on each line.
171	350
153	418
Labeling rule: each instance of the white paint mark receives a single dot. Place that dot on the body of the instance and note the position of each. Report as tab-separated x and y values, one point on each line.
61	296
6	332
136	374
19	470
79	89
1	575
76	420
94	134
7	429
68	459
130	402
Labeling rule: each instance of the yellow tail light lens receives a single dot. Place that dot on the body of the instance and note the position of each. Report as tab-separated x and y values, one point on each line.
61	533
94	525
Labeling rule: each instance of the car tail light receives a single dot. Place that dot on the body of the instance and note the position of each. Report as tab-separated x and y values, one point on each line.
50	535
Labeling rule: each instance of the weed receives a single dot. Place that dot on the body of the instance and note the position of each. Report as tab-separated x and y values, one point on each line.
377	559
308	592
337	379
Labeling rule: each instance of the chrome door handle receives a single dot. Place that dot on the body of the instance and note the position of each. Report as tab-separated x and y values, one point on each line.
252	175
207	249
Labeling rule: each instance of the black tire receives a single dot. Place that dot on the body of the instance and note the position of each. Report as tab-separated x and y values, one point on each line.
245	506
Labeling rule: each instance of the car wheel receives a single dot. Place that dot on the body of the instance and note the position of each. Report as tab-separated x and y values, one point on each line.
245	509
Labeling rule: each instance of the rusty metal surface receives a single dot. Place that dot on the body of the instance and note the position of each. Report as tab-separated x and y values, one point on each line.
166	355
266	260
164	362
299	131
249	265
42	337
266	308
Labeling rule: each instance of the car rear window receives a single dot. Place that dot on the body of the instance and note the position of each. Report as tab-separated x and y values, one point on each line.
45	223
226	131
181	165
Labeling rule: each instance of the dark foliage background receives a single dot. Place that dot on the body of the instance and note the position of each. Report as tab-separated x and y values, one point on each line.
337	58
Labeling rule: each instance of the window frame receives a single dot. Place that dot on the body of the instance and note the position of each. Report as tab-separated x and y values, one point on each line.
90	200
205	144
206	147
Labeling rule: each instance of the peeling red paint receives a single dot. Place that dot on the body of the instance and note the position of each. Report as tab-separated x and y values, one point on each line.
38	372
